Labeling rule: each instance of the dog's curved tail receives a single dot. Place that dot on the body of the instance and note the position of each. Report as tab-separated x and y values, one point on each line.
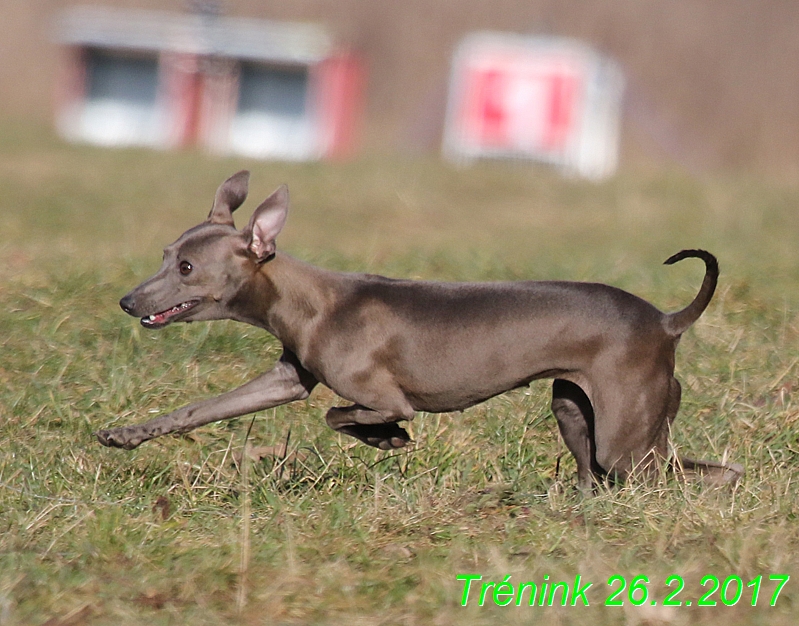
677	323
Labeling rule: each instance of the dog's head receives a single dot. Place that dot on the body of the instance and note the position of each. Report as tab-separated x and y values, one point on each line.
206	267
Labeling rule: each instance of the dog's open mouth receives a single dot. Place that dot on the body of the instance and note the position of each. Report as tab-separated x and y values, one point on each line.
158	320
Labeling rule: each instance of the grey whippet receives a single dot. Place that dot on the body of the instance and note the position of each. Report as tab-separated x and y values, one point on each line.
394	347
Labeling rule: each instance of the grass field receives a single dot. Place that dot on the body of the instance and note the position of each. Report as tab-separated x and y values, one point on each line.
182	531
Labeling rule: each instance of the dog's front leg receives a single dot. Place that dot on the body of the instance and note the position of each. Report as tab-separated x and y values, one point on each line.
286	382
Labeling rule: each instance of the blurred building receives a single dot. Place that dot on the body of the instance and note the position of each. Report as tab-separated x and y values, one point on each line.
231	85
709	84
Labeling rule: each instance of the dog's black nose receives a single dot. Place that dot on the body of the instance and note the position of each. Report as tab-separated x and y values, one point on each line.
127	304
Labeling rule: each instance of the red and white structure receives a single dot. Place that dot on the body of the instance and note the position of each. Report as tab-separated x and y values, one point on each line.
546	99
263	89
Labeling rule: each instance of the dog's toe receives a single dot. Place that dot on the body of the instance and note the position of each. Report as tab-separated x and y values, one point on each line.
104	437
391	443
399	442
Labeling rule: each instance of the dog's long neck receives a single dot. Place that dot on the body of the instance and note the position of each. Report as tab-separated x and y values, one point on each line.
287	297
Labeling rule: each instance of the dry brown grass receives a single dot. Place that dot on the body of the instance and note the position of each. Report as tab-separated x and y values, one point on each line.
339	532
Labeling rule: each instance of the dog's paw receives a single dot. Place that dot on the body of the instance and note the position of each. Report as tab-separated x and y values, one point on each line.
116	438
383	436
726	476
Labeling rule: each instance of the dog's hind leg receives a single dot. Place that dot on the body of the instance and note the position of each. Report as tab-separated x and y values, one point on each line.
632	419
575	417
379	404
371	427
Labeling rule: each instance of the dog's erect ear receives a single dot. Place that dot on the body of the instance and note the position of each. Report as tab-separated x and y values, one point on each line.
266	223
229	197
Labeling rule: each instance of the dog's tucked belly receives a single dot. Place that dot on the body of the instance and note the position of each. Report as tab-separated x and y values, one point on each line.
475	364
458	399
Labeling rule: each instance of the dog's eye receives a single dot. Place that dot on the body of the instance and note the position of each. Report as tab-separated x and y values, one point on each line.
185	268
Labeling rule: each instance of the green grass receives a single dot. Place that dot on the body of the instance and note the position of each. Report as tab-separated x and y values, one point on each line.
179	532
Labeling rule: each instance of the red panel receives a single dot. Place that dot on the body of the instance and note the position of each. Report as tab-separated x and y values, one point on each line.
561	106
70	86
519	103
490	108
182	82
338	86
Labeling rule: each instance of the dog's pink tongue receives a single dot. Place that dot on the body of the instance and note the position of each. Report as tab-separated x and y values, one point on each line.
160	318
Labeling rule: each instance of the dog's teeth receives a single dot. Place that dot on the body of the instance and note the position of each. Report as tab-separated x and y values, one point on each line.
151	318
